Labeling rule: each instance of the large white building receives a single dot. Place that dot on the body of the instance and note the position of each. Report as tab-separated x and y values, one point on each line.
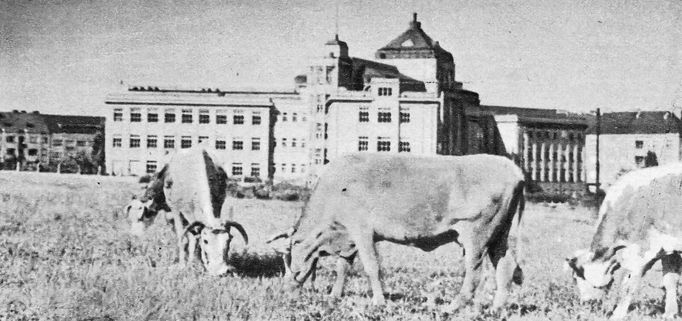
408	101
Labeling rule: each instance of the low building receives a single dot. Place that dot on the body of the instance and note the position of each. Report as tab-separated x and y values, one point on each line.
548	144
628	140
32	139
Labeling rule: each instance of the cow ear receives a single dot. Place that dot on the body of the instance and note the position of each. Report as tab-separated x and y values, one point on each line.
194	228
612	251
127	209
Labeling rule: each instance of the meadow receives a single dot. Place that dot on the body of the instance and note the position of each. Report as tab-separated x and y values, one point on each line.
66	254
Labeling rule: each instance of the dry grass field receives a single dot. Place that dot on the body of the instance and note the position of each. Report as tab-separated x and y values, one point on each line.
65	254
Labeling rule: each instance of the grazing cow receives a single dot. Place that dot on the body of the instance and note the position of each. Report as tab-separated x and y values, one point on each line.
640	219
194	188
424	202
143	211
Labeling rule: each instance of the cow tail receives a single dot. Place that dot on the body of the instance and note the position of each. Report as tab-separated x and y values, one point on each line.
520	195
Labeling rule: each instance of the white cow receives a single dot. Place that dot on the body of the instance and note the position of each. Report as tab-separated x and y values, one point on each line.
419	201
640	222
193	187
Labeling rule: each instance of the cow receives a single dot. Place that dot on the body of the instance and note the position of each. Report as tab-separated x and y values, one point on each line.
143	211
194	190
424	202
639	223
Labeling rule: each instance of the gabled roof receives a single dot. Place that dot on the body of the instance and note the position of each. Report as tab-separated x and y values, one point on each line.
643	122
413	43
69	124
364	70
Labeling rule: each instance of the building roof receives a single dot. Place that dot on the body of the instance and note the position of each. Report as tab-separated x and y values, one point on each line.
539	115
18	121
69	124
364	70
642	122
413	43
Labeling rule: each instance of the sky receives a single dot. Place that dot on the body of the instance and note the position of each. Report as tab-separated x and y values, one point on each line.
577	55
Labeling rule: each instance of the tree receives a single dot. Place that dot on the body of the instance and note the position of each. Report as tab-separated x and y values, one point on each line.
97	153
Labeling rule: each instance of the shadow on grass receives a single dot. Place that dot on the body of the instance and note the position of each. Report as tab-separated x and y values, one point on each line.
256	265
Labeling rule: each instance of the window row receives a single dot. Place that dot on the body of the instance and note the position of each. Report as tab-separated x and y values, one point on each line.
292	142
31	139
292	117
187	116
385	91
383	116
544	134
238	169
169	142
291	168
383	144
70	142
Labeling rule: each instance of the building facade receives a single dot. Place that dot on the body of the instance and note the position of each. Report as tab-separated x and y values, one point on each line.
342	104
548	144
628	140
30	140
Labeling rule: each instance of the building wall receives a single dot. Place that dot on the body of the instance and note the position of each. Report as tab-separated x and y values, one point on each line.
423	69
622	153
35	149
291	139
69	145
239	160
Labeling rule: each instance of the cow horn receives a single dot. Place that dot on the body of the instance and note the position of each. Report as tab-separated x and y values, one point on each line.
193	225
612	251
284	234
239	228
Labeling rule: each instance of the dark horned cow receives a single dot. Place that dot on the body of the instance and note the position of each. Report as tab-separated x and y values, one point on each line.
424	202
143	211
193	187
640	222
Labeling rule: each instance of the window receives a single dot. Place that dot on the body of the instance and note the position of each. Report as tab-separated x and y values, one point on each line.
45	139
284	117
69	142
220	144
237	169
284	142
404	147
304	118
255	143
237	144
318	131
384	91
186	116
404	116
118	114
151	167
284	167
33	139
238	119
81	143
152	116
32	152
135	115
384	117
255	118
639	160
169	115
134	141
293	142
221	116
168	142
10	139
204	117
363	143
293	168
255	170
302	142
116	142
639	144
294	117
202	139
186	142
11	151
302	168
364	115
383	144
151	141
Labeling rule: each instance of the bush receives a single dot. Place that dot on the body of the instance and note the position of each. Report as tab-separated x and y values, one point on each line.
145	179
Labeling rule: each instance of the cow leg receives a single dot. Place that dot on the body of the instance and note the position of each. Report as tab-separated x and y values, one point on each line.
472	273
630	287
364	242
182	240
342	266
671	275
504	264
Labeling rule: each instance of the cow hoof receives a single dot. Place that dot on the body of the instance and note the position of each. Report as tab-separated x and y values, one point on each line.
378	300
455	306
669	315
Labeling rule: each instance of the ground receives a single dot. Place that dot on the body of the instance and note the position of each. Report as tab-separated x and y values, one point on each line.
65	254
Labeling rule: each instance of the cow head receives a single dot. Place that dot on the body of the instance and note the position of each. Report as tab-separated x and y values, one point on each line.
214	242
140	214
593	272
306	250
